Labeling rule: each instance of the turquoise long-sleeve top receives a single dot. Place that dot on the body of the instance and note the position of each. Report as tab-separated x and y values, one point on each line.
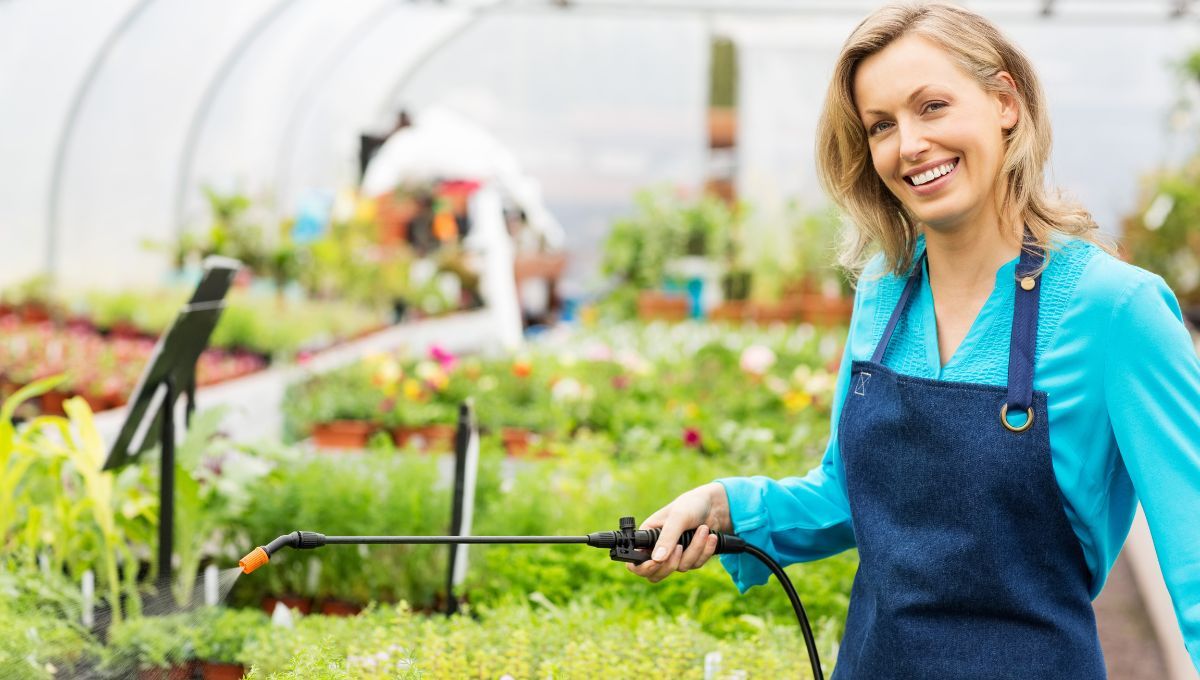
1123	382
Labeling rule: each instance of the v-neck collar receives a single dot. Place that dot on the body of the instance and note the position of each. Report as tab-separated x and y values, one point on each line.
998	300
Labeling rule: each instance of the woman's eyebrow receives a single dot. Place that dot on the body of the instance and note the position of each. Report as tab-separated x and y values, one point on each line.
916	93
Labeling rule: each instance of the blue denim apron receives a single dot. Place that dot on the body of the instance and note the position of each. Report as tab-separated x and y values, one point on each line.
968	567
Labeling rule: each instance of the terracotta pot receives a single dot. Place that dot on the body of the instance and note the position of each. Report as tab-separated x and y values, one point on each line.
731	310
435	437
182	672
820	310
52	403
125	329
522	443
653	305
339	608
34	313
722	127
342	434
783	311
222	671
95	402
301	604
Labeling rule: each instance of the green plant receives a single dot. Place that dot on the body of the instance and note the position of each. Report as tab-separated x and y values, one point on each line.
222	634
82	515
149	642
1163	235
574	641
663	228
380	492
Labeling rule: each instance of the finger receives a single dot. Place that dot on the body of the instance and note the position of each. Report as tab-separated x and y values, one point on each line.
695	549
710	549
669	566
668	537
645	569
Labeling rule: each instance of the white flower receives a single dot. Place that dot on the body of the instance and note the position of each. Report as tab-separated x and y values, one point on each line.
757	359
567	389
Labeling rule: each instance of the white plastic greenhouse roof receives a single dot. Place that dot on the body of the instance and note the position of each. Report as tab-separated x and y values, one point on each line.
115	112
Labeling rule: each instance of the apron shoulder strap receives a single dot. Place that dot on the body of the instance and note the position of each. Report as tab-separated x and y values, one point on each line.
1023	342
914	280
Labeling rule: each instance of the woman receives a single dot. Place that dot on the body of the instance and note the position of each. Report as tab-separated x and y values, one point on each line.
1008	393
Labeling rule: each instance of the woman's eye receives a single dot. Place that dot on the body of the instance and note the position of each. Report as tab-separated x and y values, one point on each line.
878	127
931	106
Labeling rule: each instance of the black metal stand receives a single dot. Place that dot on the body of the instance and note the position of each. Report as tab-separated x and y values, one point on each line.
166	473
462	440
171	374
166	484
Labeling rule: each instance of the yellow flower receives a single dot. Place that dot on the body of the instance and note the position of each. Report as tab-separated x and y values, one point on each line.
364	209
412	389
387	373
797	401
690	410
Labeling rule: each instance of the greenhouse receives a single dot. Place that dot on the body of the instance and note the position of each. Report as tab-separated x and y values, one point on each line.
335	337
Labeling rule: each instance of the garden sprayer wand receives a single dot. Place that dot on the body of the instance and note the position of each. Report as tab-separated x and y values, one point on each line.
627	544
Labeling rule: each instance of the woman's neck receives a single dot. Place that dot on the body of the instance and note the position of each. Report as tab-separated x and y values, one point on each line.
965	260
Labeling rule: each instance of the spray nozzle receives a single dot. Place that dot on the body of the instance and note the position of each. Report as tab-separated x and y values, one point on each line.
302	540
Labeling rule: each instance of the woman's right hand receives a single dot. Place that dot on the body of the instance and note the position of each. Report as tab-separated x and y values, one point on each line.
705	509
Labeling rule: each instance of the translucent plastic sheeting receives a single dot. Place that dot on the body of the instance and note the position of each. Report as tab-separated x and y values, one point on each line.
46	49
118	111
595	106
128	101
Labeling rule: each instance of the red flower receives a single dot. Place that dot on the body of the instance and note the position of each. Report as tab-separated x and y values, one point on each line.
691	437
620	382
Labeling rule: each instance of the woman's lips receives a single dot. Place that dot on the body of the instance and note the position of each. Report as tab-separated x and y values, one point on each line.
935	185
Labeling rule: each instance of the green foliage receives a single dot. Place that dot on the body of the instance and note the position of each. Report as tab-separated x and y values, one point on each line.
665	227
378	493
541	501
221	635
148	642
40	634
1164	234
576	641
264	324
71	511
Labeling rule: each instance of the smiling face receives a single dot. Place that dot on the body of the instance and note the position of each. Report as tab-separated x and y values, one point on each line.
936	137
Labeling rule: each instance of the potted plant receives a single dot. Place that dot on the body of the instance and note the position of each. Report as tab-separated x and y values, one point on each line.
220	641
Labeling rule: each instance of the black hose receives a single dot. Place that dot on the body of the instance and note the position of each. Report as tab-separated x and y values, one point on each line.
805	628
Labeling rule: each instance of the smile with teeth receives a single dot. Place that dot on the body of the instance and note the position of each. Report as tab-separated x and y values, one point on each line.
930	175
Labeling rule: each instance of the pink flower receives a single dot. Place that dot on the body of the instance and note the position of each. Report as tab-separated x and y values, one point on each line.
691	437
620	382
443	356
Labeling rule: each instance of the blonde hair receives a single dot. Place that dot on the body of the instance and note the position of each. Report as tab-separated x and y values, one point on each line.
877	217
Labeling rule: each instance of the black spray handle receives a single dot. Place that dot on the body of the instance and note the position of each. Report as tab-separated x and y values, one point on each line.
634	545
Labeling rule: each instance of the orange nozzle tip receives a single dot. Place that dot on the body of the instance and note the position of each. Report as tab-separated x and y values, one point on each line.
254	560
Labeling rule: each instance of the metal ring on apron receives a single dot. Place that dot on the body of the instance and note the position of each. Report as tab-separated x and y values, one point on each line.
1011	428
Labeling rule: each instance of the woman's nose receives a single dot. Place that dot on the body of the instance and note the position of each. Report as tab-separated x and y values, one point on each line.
913	142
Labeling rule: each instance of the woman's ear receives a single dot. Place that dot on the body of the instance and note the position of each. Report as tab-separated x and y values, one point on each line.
1006	99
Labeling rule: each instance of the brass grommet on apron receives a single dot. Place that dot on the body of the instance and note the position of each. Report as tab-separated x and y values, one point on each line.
1004	419
1028	283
